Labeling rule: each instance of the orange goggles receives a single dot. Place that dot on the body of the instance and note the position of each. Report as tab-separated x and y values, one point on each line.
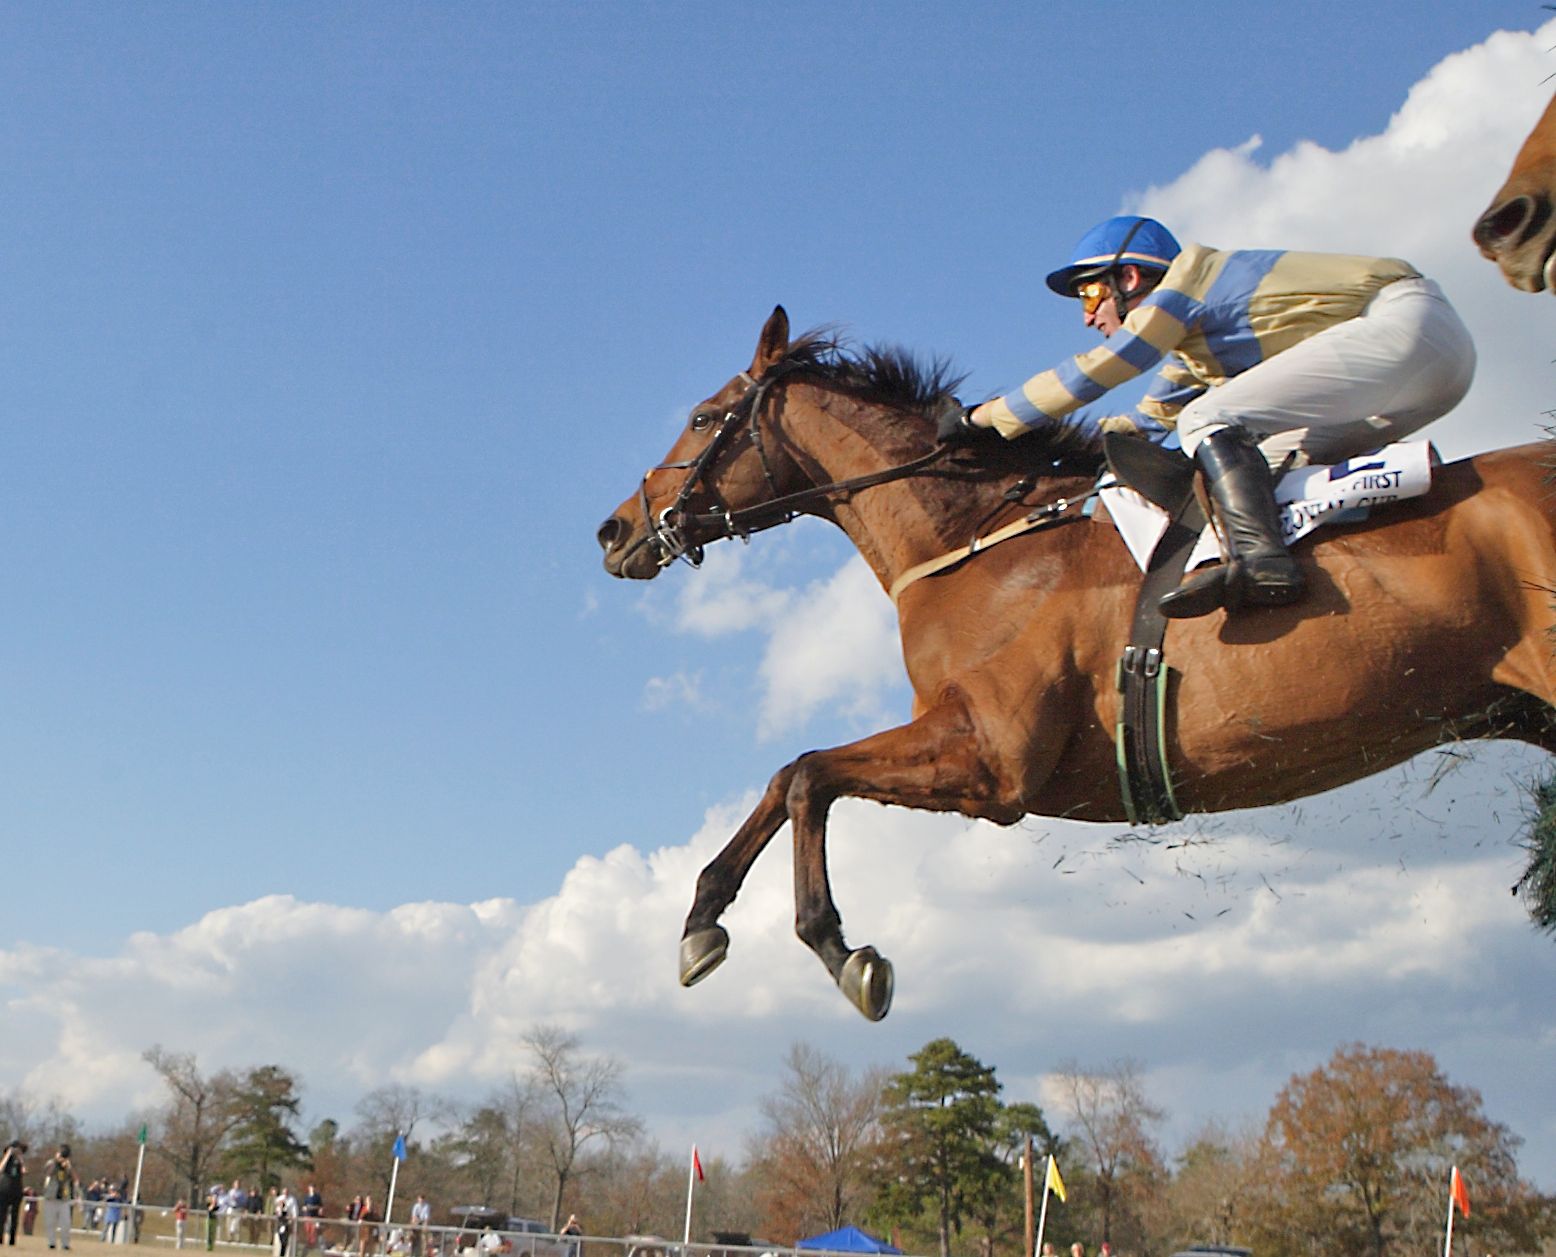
1092	294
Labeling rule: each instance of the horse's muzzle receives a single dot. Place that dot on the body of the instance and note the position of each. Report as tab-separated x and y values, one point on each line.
631	553
1518	233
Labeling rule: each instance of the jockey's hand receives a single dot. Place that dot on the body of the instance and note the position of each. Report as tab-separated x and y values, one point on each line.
954	426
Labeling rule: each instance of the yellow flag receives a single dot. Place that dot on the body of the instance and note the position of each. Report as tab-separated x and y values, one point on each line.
1055	1183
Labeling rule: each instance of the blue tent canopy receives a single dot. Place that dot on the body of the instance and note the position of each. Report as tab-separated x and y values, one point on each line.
849	1239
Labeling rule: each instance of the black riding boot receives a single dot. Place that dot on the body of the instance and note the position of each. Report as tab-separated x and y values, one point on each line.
1261	572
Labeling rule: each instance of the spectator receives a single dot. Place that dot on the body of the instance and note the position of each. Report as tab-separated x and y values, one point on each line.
312	1209
367	1232
213	1204
421	1218
59	1190
234	1201
91	1205
572	1230
253	1205
113	1215
12	1167
29	1209
283	1217
180	1221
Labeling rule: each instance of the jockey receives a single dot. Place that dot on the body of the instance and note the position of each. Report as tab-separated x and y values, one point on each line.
1274	358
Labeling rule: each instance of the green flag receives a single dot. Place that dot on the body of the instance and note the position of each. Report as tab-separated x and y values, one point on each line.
141	1137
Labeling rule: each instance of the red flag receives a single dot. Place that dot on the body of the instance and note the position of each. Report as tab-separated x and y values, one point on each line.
697	1165
1456	1188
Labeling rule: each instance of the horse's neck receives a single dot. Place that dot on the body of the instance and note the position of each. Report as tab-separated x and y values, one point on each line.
900	524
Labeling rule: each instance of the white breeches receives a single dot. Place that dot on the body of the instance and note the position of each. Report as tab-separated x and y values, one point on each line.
1405	360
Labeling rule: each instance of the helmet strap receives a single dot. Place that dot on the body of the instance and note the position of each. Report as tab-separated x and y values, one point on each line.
1115	270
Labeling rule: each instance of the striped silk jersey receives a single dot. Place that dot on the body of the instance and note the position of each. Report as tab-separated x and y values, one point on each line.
1216	314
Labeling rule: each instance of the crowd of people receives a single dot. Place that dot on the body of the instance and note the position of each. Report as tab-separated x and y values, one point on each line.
102	1203
287	1223
292	1224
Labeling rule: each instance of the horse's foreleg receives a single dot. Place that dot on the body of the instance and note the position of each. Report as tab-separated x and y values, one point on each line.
704	942
931	764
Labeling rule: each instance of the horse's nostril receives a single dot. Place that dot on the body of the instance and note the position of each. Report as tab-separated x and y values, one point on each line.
1499	224
610	533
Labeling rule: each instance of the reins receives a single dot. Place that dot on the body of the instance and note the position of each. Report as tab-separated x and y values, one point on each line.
765	515
673	529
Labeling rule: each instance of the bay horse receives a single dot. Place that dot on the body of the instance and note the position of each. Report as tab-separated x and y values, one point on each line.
1518	230
1429	622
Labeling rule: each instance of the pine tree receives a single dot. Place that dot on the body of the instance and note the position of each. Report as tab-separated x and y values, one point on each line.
262	1144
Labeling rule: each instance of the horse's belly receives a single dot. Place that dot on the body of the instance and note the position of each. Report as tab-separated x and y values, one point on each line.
1265	722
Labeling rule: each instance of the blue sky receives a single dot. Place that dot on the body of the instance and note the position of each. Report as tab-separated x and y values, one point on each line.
337	329
334	331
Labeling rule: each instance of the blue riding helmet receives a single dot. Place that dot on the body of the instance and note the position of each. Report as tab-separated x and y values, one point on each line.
1127	238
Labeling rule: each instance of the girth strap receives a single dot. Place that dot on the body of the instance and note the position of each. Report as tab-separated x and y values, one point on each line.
1144	780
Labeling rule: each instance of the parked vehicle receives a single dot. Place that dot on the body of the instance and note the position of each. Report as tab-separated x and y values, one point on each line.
488	1232
1214	1250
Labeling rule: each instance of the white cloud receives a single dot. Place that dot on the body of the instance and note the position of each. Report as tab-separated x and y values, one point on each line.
1226	955
1245	953
830	644
722	599
680	689
837	644
1414	191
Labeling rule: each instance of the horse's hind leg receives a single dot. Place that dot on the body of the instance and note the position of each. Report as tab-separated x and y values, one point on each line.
929	764
704	942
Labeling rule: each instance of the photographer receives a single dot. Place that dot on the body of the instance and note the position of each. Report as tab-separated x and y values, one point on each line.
59	1191
11	1170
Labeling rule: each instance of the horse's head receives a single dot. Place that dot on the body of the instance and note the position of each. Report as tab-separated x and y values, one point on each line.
719	467
1518	231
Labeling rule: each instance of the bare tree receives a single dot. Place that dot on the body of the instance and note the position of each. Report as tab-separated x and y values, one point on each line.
581	1104
384	1114
1112	1121
518	1102
39	1122
1213	1191
814	1153
199	1115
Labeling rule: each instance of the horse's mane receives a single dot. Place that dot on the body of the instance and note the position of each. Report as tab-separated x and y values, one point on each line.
897	378
878	373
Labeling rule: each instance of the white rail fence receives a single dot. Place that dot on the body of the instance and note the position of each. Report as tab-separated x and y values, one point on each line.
246	1234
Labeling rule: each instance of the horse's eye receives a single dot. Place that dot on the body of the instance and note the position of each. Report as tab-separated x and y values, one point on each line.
701	421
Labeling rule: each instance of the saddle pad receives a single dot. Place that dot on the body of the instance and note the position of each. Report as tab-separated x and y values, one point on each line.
1308	497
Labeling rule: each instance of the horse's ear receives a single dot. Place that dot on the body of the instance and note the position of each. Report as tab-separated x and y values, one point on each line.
773	343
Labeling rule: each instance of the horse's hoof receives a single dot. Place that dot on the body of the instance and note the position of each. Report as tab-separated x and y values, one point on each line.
702	953
867	982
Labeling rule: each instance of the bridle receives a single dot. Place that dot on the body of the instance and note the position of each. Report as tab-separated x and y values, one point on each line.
672	530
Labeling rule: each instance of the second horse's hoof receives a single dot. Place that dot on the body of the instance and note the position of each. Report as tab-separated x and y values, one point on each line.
867	982
702	953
